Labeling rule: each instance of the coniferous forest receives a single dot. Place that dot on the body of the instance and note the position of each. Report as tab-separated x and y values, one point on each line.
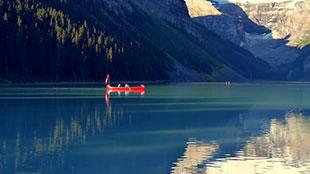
57	41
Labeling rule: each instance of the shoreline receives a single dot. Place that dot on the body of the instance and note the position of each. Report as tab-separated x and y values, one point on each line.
157	82
79	84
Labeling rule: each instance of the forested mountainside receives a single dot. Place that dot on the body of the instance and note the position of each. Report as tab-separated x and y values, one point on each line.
66	40
57	40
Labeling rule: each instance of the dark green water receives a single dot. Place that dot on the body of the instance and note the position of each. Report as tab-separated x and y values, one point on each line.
181	128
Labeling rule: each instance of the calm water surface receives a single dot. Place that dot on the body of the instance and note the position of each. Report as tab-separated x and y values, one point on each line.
179	129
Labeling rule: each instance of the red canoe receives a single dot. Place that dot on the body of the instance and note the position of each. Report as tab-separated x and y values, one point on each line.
138	89
127	89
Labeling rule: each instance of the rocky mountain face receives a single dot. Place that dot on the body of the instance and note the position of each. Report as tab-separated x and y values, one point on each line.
288	18
227	20
201	8
237	60
282	17
273	30
226	26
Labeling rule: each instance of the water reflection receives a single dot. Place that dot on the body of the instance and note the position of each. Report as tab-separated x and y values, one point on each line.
38	140
195	154
285	148
173	129
289	140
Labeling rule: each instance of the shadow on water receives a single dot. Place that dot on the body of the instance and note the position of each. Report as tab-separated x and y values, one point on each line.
161	132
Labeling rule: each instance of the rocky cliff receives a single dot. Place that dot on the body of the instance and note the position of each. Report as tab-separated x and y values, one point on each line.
225	25
289	23
237	60
284	18
273	30
228	20
288	18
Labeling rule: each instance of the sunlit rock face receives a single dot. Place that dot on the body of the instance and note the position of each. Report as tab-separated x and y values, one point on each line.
216	20
270	29
285	18
289	22
228	20
201	8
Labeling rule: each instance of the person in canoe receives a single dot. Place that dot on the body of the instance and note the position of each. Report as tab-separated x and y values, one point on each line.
126	88
107	79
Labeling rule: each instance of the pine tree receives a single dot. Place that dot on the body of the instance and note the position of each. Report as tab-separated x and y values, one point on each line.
19	21
5	17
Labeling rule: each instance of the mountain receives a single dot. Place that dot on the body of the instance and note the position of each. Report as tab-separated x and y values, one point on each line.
273	30
283	17
66	40
238	62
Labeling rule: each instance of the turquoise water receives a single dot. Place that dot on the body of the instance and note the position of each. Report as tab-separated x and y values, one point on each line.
176	128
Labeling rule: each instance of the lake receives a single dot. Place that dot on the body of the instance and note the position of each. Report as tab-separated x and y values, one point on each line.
188	128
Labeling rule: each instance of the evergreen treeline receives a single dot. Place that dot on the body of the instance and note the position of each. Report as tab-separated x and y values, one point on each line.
60	40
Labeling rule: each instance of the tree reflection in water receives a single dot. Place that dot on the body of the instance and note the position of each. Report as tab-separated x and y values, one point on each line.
41	141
